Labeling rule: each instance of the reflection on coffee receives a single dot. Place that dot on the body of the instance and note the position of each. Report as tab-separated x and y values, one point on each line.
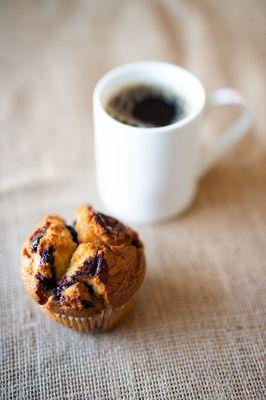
146	106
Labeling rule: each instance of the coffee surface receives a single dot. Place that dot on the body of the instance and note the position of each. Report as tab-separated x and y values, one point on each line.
146	106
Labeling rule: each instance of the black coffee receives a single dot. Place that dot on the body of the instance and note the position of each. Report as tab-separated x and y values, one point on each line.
146	106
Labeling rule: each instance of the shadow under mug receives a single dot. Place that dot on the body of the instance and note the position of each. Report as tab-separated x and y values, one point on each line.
150	174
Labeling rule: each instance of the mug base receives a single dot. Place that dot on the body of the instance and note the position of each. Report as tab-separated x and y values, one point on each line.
150	219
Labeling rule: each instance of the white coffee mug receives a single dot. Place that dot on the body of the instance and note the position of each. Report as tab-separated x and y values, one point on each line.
150	174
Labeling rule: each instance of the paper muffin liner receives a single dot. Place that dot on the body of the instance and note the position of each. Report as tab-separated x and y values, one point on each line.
104	321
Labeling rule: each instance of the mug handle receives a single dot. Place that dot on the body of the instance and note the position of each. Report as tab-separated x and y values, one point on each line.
219	98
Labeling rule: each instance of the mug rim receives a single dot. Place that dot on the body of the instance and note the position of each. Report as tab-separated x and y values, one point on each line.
135	129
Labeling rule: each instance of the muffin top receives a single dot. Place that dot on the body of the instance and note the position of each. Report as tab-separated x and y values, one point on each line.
79	271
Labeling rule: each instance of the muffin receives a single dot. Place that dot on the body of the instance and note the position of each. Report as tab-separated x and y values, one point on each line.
84	276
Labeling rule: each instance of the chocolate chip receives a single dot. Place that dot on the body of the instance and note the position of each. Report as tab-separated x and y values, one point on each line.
37	238
70	283
87	304
35	243
101	219
47	256
100	265
57	292
62	285
136	243
46	283
89	266
90	288
73	233
94	266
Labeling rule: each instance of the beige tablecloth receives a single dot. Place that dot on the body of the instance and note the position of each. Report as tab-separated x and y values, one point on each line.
197	329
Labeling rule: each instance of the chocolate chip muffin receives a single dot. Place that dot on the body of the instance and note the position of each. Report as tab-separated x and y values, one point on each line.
84	276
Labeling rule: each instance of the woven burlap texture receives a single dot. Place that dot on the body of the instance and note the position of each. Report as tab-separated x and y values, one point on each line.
196	331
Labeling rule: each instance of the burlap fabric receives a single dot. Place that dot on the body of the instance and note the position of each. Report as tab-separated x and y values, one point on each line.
197	329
